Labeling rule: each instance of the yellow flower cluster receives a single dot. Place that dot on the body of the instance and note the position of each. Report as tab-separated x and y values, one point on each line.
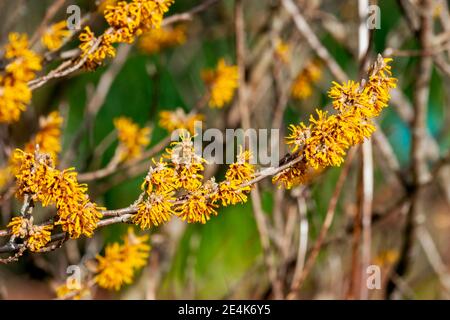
126	20
132	139
48	137
22	65
386	258
73	290
95	57
155	210
301	87
38	178
183	174
282	51
102	4
5	175
187	164
164	178
178	119
295	175
201	203
222	83
155	40
120	262
53	38
231	190
159	187
35	237
325	140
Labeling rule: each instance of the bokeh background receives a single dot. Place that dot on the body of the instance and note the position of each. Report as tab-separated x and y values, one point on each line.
223	258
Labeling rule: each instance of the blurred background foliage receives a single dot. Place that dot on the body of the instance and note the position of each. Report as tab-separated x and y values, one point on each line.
213	260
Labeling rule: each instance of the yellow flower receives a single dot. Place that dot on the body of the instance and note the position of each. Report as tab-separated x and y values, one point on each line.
5	176
121	261
155	210
345	96
325	140
31	174
386	258
241	171
48	136
138	15
73	290
198	208
155	40
53	38
379	83
298	136
128	15
326	145
302	85
102	4
36	237
178	119
38	177
283	51
127	20
292	176
104	50
14	96
231	190
78	216
162	6
22	65
229	193
161	178
222	83
437	10
132	138
187	164
301	88
24	62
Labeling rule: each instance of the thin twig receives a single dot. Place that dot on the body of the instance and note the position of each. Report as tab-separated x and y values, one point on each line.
70	66
188	15
313	41
367	163
97	101
260	218
433	256
325	226
419	168
49	14
302	240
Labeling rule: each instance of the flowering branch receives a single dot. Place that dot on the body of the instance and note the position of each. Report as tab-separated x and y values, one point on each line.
198	202
77	62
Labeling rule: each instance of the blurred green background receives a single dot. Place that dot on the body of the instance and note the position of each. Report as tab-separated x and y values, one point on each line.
211	260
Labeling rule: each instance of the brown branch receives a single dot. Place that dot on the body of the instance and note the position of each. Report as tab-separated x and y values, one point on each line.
419	168
66	67
110	168
262	174
365	183
431	251
295	287
97	101
74	64
258	212
134	167
302	240
314	42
